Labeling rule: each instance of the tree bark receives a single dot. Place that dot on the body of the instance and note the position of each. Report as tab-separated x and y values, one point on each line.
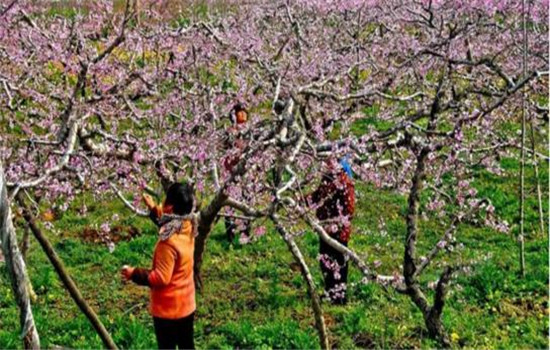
209	213
206	219
409	264
433	317
66	279
25	244
431	314
16	269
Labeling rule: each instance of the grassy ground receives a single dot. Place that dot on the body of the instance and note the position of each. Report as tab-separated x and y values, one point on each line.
254	296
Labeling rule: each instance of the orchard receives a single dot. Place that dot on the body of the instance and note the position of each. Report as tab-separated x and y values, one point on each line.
439	108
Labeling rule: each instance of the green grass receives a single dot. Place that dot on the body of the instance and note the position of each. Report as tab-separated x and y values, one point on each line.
254	298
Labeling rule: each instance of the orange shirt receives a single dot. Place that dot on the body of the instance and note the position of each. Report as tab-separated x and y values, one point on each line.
171	278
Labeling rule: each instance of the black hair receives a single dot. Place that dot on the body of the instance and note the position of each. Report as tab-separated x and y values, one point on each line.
279	107
238	107
180	197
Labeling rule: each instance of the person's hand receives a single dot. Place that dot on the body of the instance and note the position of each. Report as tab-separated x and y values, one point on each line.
149	201
126	272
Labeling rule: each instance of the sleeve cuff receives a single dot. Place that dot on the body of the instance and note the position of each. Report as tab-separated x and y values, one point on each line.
141	277
154	215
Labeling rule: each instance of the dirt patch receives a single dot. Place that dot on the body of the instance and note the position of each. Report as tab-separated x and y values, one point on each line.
364	341
294	266
329	321
124	233
117	234
251	305
521	307
50	215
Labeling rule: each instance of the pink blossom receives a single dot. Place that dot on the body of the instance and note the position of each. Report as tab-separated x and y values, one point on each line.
105	227
259	231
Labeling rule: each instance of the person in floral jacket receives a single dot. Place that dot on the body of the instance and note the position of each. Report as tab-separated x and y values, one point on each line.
334	203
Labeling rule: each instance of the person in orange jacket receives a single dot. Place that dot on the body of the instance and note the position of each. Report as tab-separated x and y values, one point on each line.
172	289
235	140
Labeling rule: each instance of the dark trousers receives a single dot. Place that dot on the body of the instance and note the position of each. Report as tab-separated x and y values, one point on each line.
335	272
175	332
231	229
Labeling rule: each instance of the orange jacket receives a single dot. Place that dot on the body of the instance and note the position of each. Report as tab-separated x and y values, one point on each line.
171	278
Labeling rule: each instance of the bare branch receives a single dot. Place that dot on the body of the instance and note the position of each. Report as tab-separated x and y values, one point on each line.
316	302
127	203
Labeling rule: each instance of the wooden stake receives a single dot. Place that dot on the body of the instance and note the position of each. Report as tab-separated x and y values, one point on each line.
16	269
65	278
521	237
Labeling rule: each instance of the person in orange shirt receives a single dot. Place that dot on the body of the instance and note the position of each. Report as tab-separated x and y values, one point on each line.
172	289
236	141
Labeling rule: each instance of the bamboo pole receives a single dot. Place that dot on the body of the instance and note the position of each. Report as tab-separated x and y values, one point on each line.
521	237
537	179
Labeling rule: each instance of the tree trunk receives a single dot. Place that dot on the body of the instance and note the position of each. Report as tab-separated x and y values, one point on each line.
206	219
208	215
66	279
16	269
432	314
436	329
137	11
25	244
432	318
